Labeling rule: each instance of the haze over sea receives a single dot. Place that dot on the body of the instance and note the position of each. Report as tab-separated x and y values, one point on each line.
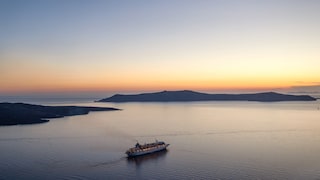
216	140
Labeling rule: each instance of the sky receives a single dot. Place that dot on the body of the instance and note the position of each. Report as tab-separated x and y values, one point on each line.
82	46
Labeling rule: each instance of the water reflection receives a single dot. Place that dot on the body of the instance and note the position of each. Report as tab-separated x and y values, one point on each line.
212	140
154	157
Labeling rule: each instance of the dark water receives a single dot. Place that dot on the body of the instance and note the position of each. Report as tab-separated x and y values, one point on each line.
209	140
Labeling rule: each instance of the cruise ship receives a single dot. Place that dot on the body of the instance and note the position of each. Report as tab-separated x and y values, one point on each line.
139	149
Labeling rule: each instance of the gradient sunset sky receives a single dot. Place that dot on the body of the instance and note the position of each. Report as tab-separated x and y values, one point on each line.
214	45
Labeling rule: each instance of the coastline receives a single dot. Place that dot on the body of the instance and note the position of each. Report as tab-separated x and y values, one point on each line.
21	113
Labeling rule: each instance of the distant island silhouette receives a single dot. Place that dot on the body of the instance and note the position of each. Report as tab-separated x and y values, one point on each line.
20	113
187	95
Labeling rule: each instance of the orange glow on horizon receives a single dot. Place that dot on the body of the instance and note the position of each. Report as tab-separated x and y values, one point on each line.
242	75
148	86
100	81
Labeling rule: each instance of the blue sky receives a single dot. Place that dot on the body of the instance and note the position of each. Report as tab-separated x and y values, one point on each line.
154	45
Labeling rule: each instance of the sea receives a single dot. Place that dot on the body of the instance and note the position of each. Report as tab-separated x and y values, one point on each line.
208	140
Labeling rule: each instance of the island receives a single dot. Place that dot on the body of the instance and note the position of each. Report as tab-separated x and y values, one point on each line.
20	113
187	95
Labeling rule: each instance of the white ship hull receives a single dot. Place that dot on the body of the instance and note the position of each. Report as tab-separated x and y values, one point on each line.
148	151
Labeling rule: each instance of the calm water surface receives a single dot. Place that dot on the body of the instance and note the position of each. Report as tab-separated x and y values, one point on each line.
209	140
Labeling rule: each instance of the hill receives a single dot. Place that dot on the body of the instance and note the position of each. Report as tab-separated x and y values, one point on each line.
20	113
178	96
